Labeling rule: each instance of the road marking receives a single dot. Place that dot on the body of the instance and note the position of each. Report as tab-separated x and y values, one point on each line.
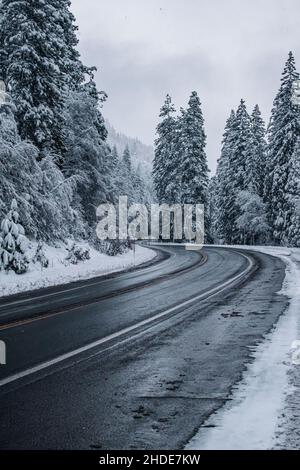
124	331
71	289
72	307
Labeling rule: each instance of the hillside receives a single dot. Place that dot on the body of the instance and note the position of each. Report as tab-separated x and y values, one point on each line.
142	155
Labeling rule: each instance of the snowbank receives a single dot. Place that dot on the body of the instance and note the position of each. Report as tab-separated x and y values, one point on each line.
257	416
58	273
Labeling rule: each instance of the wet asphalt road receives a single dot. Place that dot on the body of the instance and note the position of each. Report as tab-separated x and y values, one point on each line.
151	386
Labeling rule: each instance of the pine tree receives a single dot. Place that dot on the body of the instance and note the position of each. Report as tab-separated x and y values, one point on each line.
252	221
115	156
47	82
98	98
224	197
193	162
55	214
164	152
212	209
241	133
115	175
18	166
30	55
293	198
44	195
87	156
13	243
256	155
283	132
231	173
240	139
126	159
139	186
8	126
127	177
40	256
173	170
70	62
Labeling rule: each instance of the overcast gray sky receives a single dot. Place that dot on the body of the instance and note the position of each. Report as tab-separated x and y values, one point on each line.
223	49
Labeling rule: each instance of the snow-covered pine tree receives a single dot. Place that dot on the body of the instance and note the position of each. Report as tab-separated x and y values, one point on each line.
44	195
8	126
98	98
292	237
173	172
31	48
76	254
127	178
256	155
211	210
131	181
193	162
252	221
189	172
250	209
87	156
115	156
224	197
145	175
164	152
240	139
56	215
18	166
139	186
236	177
126	159
40	256
13	243
70	62
115	176
283	132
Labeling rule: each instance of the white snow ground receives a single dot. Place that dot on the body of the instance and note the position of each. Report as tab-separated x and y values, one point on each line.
264	410
58	273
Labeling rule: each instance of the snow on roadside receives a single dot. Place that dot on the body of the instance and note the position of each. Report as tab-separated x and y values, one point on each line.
58	273
258	417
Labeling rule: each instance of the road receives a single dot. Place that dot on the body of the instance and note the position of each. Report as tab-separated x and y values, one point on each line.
135	360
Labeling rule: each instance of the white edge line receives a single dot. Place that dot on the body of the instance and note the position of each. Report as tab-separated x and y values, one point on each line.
75	352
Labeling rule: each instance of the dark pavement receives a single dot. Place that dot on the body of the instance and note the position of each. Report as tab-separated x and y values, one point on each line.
150	386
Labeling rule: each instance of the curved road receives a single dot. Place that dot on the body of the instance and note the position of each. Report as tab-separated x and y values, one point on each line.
134	360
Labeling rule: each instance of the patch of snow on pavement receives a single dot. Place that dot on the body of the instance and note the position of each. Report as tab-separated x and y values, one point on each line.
251	420
58	273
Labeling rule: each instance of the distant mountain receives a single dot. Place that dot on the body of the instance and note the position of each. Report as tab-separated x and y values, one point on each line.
142	155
